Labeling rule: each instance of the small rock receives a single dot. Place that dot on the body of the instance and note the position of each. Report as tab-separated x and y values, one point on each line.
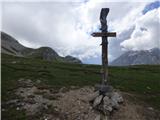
107	104
13	62
107	109
92	97
115	104
90	108
98	117
17	108
150	108
82	107
21	103
45	107
73	87
97	101
117	97
57	110
148	88
63	89
106	100
38	81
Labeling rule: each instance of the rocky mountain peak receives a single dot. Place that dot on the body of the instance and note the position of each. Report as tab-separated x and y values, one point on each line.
151	56
12	47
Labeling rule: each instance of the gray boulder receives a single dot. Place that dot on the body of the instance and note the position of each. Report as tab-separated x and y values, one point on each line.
97	100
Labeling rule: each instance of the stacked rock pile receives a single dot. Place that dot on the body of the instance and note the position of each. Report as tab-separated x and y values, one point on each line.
105	99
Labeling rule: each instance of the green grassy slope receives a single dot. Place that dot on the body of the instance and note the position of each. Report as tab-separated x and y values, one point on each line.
55	74
142	80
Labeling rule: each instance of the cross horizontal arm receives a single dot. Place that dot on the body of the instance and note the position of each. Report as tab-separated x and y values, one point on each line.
104	34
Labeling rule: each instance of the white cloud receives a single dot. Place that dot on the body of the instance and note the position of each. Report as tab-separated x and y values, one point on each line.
66	26
63	27
146	33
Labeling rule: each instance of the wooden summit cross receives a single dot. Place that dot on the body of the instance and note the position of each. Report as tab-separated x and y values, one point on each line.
104	34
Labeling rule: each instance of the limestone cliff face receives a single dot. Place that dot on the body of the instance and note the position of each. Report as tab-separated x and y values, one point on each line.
11	46
151	56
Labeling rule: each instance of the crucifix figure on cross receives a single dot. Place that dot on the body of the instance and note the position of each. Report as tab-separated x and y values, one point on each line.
104	34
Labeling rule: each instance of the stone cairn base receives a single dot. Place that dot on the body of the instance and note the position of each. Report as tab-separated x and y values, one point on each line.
105	99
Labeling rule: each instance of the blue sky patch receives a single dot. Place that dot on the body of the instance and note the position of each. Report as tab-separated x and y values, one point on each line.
151	6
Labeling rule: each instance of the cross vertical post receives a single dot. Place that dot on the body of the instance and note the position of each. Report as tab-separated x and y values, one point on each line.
104	34
104	28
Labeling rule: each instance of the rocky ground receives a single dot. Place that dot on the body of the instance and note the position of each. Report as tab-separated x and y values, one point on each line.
46	103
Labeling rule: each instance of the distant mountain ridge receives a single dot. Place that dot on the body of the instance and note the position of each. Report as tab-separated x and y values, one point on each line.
11	46
151	56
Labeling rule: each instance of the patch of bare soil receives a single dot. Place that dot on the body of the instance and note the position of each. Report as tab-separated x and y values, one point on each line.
42	103
135	111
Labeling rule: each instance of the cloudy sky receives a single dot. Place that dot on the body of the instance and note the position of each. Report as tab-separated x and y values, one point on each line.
66	25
